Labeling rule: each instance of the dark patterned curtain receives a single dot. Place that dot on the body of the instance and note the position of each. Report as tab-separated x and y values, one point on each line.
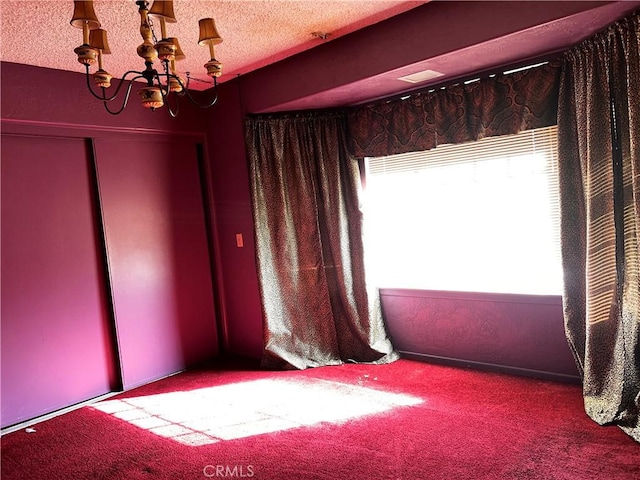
599	151
305	193
499	105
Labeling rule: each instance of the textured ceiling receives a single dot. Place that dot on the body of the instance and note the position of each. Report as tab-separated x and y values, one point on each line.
255	32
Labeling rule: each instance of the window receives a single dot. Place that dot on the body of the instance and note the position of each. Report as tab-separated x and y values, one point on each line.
481	216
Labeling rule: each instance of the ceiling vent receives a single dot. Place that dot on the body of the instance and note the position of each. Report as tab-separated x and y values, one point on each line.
420	77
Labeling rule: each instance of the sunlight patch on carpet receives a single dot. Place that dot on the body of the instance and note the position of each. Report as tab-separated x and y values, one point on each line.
209	415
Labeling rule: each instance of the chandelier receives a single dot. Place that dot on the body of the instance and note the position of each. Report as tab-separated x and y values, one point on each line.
162	87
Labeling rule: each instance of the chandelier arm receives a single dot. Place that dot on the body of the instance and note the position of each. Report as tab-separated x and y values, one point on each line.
198	104
124	103
172	112
165	93
104	97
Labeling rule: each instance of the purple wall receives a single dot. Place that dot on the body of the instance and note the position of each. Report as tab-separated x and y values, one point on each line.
294	83
232	203
157	255
40	102
515	333
56	342
60	285
520	334
366	64
44	96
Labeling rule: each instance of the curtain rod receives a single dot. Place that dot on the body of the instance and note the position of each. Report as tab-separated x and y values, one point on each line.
505	69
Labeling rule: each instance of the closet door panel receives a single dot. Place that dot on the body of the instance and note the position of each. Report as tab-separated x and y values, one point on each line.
158	255
57	346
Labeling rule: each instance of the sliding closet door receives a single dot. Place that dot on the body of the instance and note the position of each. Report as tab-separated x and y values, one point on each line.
158	255
56	342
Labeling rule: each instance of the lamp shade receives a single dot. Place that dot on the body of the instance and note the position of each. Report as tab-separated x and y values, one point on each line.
208	32
98	39
83	12
164	9
179	55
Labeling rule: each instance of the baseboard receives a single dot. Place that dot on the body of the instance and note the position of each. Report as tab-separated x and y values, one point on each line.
56	413
456	362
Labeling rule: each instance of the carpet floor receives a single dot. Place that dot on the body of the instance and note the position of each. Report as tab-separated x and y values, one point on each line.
405	420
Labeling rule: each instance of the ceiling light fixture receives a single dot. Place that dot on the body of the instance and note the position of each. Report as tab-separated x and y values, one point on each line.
160	85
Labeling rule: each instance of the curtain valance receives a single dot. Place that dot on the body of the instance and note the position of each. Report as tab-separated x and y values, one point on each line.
498	105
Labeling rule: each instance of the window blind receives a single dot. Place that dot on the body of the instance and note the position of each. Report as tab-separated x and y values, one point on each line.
479	216
524	143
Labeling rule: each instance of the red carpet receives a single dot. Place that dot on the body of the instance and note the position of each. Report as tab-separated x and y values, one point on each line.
420	421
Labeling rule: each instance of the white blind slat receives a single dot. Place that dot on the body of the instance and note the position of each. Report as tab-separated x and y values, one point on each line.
480	216
523	143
